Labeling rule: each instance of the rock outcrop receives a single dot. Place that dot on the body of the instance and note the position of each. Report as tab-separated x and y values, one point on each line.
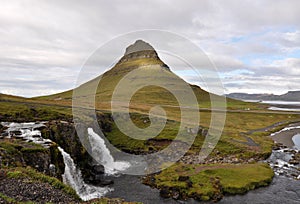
21	154
141	50
64	134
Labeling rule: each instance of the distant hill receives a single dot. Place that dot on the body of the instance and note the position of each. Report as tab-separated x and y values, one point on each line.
289	96
6	97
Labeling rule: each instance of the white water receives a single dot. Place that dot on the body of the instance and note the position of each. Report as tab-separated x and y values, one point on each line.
285	129
274	103
28	132
72	175
73	178
296	103
283	109
296	140
102	154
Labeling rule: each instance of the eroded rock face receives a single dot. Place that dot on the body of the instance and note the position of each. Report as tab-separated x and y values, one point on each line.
138	46
141	50
65	135
21	154
139	55
39	160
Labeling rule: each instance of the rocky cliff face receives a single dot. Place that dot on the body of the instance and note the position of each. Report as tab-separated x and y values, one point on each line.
138	46
139	55
65	135
14	153
141	50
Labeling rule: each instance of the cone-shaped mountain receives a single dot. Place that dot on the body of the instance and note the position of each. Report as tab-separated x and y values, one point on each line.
142	56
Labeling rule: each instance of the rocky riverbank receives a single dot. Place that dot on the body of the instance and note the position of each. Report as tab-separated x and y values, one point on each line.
285	161
285	158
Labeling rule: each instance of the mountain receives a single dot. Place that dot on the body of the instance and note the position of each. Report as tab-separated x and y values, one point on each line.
143	63
289	96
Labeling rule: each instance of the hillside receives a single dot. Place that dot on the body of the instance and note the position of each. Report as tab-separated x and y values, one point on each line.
146	66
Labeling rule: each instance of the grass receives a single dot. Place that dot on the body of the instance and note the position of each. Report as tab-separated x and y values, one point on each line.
126	143
13	146
236	125
206	182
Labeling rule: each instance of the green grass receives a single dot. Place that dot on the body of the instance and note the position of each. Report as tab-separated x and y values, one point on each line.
124	142
13	146
236	125
210	181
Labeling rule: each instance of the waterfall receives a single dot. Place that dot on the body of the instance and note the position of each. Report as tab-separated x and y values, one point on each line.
73	178
72	175
102	154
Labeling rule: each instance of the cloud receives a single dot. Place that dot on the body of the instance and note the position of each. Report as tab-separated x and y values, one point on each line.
50	40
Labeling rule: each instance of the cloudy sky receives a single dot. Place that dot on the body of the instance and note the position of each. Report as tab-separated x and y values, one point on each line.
254	44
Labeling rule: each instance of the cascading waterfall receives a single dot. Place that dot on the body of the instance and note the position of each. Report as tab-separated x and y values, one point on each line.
73	178
102	154
72	175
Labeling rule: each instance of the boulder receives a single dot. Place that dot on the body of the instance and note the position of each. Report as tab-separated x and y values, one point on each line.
98	169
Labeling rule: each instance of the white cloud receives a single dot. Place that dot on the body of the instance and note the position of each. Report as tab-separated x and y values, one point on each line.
50	40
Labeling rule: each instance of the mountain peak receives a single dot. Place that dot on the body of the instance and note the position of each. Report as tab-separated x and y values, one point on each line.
138	46
141	50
